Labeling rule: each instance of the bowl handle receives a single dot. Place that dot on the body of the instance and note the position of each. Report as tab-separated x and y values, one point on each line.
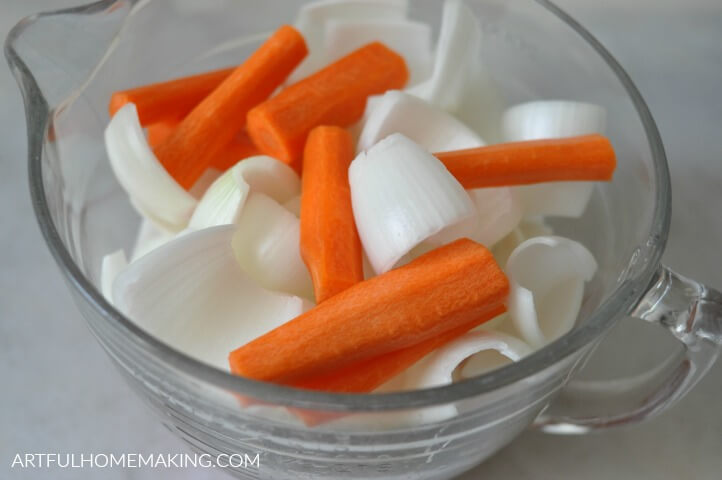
692	313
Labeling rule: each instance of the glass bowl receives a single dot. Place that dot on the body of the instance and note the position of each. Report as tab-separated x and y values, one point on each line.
67	64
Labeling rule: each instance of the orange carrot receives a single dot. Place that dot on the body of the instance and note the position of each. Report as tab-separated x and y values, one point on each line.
158	132
368	375
330	245
238	148
588	157
168	100
210	126
441	290
335	95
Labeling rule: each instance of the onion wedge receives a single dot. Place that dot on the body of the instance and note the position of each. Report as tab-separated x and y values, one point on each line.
112	265
151	189
267	247
411	40
313	17
457	54
149	237
192	295
547	276
430	127
223	202
402	195
498	212
472	354
553	119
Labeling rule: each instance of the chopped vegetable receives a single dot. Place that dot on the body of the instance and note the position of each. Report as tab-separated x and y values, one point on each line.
412	40
223	201
330	245
151	189
430	127
439	291
192	295
335	95
457	53
112	265
170	100
589	157
211	125
363	377
402	195
461	357
553	119
547	276
239	147
149	237
313	18
267	247
159	132
498	211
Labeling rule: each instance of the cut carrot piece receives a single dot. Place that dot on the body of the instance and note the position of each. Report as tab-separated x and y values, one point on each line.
330	245
173	99
588	157
439	291
159	132
368	375
335	95
210	126
238	148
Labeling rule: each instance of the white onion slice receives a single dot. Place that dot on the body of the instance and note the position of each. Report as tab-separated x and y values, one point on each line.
204	182
411	40
561	199
294	206
482	104
472	354
457	53
267	247
111	266
498	212
151	189
554	119
528	228
149	237
430	127
223	201
401	195
312	18
547	276
439	367
192	295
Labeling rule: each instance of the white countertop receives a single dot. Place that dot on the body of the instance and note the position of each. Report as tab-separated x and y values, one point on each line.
60	392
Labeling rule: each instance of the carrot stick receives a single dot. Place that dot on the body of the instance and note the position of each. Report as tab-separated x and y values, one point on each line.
212	123
238	148
168	100
330	245
439	291
588	157
368	375
159	132
335	95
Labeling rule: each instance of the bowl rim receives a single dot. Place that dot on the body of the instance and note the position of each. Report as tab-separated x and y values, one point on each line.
620	301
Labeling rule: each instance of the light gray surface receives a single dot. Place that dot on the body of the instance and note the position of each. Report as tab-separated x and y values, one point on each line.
61	394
